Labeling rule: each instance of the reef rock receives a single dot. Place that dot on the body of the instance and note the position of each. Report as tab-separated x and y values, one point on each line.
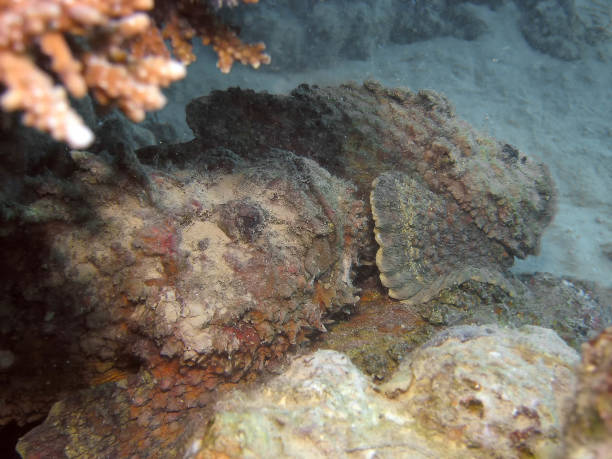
502	392
380	331
303	36
589	430
322	406
470	392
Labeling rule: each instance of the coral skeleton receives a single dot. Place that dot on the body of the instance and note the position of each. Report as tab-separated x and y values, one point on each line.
115	50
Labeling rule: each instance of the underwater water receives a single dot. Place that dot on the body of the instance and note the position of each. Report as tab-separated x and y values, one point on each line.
183	258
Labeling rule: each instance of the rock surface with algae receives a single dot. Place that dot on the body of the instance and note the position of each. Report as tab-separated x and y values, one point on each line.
470	392
589	429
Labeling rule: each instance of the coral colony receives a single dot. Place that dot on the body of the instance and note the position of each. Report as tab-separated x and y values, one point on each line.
113	49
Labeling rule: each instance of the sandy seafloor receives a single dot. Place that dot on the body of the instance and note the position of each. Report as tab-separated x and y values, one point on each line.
554	110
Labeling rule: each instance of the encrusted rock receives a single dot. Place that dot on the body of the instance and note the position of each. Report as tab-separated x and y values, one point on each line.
322	406
497	391
380	331
589	430
471	392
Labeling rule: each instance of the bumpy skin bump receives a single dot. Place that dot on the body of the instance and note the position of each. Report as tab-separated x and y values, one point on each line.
424	246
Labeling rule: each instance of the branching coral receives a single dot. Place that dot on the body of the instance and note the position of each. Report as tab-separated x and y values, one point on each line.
113	48
188	18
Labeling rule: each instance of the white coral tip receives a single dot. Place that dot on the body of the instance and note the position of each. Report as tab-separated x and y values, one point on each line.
78	135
